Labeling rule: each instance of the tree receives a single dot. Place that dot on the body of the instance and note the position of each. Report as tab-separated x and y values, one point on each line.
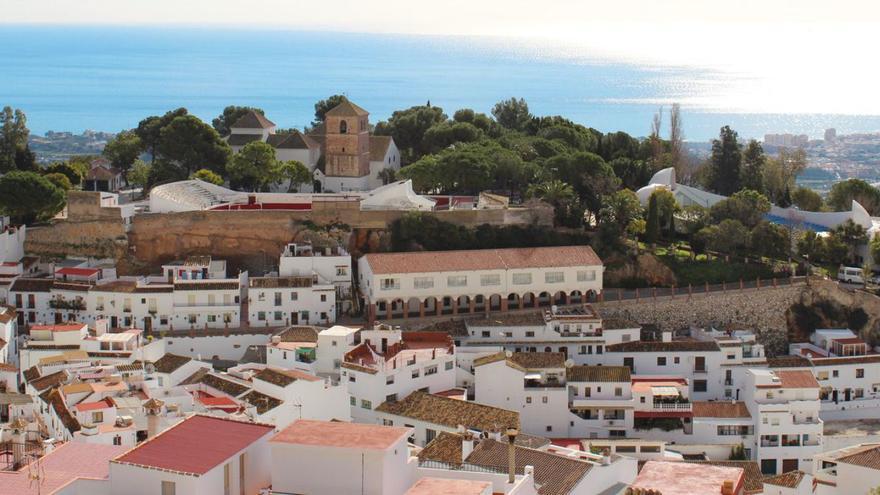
139	174
588	173
388	175
512	114
732	237
655	141
747	207
13	138
408	128
780	172
223	122
618	215
770	240
844	193
60	181
149	130
809	245
558	194
441	136
296	173
874	248
27	197
676	141
191	144
652	222
752	173
633	174
724	163
162	172
666	209
851	235
324	106
25	159
123	150
807	199
253	167
207	176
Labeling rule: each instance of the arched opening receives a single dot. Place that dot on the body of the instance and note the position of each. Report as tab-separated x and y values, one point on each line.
398	308
430	305
514	301
413	307
529	300
590	296
577	297
495	302
479	303
548	349
559	298
343	127
544	299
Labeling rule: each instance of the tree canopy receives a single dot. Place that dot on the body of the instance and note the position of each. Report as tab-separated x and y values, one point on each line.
123	150
29	197
14	152
223	122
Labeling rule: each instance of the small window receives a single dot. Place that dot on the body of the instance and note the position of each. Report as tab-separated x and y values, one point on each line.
618	391
860	372
343	128
699	385
676	360
522	278
449	365
490	279
661	361
365	404
544	399
554	277
323	297
586	275
456	281
528	400
352	401
169	488
423	283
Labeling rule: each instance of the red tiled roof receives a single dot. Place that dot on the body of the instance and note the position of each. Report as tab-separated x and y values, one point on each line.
790	479
482	259
252	120
79	272
63	465
849	340
684	478
195	445
720	409
797	379
342	435
67	327
868	456
104	403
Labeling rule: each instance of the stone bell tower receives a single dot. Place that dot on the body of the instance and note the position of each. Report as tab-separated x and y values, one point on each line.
347	141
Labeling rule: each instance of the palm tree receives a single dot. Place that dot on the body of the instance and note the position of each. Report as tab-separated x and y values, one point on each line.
554	192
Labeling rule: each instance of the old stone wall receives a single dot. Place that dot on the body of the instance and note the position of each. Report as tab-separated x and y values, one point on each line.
88	230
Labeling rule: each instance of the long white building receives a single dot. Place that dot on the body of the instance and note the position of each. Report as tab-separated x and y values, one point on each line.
394	285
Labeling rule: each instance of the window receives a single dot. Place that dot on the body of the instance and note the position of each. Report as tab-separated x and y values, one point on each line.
294	296
391	398
169	488
586	275
554	277
277	299
352	378
731	356
661	361
544	399
389	284
699	385
389	379
582	350
352	401
528	400
365	404
415	373
598	349
485	334
387	422
676	360
618	391
261	315
823	375
835	373
549	428
490	279
341	271
456	281
323	297
522	278
191	299
449	365
192	319
431	370
423	283
860	372
343	128
98	417
530	333
279	315
429	435
117	440
587	391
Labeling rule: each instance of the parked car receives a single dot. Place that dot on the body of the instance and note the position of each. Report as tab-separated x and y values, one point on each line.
850	275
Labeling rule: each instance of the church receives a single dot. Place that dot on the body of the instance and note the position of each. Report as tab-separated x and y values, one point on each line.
341	153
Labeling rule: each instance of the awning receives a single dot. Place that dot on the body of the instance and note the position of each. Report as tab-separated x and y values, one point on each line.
533	376
664	391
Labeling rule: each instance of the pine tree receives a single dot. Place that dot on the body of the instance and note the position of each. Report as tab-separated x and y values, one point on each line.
652	229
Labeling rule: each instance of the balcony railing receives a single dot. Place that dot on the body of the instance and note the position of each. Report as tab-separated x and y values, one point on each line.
700	370
672	406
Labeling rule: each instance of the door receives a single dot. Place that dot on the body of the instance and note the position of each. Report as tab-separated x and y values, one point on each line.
789	465
58	318
628	362
294	318
846	395
148	324
834	395
114	322
700	363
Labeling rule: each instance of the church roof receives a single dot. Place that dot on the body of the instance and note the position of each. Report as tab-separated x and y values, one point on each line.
293	140
347	109
252	120
378	147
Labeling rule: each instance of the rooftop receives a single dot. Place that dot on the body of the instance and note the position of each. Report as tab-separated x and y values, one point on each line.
341	435
169	363
658	346
526	360
195	445
868	456
598	374
451	412
252	120
438	486
790	479
797	379
283	378
684	478
346	109
68	462
720	409
482	259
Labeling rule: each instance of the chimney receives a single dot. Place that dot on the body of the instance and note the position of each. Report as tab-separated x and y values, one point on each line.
511	455
101	327
727	487
667	336
467	446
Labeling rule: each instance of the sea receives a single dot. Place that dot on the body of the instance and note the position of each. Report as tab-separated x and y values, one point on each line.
109	78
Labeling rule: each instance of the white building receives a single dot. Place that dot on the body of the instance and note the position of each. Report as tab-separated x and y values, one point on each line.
788	430
853	470
201	455
390	364
290	300
452	282
329	265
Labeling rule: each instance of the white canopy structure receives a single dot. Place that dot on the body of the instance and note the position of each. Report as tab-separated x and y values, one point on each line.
190	195
396	196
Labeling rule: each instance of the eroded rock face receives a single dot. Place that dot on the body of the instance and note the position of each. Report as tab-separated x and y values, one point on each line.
825	305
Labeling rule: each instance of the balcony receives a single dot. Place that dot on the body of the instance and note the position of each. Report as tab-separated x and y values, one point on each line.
701	370
671	407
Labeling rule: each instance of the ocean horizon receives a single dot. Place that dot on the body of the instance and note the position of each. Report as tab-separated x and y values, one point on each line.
109	78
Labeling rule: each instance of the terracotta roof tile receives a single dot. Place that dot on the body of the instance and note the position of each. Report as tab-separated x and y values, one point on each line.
32	285
292	140
868	457
482	259
242	139
252	120
298	334
788	362
209	285
451	412
226	386
169	363
262	402
539	360
378	147
598	374
283	378
720	409
346	109
790	479
56	401
797	379
49	381
835	361
341	434
195	445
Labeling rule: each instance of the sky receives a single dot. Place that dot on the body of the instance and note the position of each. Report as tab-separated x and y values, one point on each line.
785	52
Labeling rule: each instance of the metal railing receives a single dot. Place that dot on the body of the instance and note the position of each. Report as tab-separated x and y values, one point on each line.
672	406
